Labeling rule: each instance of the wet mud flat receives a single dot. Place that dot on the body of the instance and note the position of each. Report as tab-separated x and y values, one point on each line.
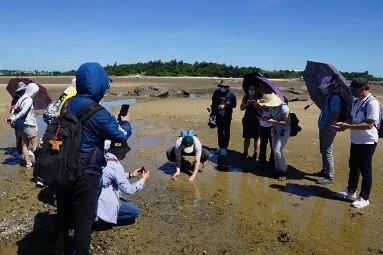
238	209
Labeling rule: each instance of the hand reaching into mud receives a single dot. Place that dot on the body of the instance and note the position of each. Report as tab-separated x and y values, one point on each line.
176	174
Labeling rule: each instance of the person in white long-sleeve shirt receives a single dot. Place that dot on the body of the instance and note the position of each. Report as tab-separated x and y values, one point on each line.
25	115
111	207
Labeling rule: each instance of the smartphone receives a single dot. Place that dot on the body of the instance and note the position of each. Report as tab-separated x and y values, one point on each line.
123	111
142	169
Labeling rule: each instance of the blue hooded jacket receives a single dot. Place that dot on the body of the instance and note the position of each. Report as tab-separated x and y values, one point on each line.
92	81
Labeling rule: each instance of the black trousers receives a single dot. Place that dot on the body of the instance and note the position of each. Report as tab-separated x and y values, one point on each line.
223	130
265	136
76	208
360	164
19	142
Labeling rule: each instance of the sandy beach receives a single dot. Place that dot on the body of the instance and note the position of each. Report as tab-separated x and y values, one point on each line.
239	210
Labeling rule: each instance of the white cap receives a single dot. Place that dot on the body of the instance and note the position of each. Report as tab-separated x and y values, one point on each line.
21	86
326	81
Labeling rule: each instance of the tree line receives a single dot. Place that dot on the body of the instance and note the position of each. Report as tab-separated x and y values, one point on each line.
176	68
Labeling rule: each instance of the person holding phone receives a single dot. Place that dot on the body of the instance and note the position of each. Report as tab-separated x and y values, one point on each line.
111	207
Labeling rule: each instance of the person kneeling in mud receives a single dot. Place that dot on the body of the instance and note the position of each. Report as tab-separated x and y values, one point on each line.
111	207
187	145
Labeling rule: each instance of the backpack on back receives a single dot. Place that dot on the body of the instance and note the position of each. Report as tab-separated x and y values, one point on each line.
343	114
58	159
188	132
294	124
379	125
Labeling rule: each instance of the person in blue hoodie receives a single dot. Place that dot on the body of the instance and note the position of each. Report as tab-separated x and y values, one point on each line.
76	204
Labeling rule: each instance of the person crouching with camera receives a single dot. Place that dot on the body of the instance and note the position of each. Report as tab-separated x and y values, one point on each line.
111	207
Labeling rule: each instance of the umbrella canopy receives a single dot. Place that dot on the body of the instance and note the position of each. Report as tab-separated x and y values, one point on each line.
264	85
41	100
267	86
313	76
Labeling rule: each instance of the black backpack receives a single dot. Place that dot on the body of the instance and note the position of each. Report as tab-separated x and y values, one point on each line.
343	114
58	158
294	124
378	125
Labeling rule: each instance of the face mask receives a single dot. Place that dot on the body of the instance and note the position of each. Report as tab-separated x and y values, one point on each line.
324	91
223	89
355	93
251	92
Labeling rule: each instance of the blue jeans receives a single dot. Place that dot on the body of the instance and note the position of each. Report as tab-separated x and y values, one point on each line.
128	211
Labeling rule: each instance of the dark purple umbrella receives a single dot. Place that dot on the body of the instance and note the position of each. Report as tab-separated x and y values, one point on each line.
41	100
265	85
313	75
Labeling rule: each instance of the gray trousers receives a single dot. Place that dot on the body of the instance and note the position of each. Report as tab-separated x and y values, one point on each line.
278	143
326	141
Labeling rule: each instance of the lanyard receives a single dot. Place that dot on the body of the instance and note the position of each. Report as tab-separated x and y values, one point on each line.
360	107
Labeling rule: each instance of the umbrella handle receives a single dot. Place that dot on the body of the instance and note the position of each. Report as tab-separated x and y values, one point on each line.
308	106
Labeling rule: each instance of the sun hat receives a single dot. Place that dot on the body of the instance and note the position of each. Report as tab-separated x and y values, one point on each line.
21	86
359	83
188	144
326	81
270	100
222	83
119	147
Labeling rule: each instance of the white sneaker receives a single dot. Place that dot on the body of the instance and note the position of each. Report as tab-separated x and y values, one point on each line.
218	151
223	152
31	153
29	165
39	184
345	194
360	203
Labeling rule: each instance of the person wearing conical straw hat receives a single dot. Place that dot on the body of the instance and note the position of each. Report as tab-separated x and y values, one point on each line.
280	118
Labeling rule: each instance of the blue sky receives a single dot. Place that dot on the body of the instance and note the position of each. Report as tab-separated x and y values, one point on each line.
269	34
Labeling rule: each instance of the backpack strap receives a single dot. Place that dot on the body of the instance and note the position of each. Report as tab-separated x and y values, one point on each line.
89	111
369	99
85	113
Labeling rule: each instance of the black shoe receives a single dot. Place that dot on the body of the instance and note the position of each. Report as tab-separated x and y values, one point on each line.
319	174
244	155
